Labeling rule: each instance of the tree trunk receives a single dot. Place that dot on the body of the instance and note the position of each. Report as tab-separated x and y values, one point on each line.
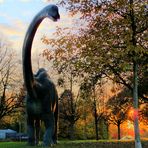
72	131
135	77
96	127
135	97
119	133
85	124
95	115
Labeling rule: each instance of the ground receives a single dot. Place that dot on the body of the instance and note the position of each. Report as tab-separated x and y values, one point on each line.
79	144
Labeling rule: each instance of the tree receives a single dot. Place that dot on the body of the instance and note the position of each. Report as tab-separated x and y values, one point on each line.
64	59
118	108
68	112
144	113
120	28
93	88
9	99
86	108
115	37
99	112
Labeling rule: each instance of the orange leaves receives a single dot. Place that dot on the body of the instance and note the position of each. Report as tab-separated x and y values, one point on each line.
48	54
45	40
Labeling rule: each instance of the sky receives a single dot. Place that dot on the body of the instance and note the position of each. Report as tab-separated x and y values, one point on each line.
16	15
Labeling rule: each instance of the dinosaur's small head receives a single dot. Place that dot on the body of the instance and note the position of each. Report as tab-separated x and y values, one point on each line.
52	12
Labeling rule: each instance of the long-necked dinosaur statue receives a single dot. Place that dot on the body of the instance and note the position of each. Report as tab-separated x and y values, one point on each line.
42	98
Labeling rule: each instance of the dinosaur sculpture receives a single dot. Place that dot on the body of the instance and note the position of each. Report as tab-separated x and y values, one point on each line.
42	98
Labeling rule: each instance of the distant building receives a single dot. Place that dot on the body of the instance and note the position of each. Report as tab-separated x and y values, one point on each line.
5	132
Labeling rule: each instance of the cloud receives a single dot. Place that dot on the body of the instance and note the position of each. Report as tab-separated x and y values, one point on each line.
9	30
13	34
25	1
51	1
46	1
15	29
1	1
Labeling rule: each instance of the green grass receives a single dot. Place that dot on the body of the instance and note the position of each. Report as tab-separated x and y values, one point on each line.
79	144
11	145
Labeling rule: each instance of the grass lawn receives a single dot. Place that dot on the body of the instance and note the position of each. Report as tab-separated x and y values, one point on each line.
79	144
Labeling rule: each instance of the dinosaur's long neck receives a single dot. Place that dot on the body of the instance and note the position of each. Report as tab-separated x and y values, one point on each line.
26	54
